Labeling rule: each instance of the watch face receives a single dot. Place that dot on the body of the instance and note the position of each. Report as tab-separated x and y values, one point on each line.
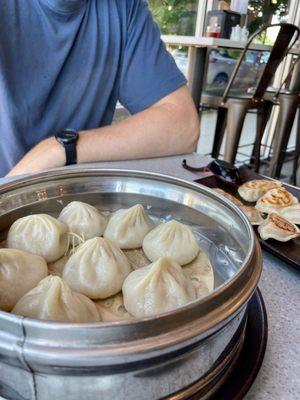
67	136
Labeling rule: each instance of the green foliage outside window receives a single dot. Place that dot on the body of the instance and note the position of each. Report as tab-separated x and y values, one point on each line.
262	11
175	17
178	17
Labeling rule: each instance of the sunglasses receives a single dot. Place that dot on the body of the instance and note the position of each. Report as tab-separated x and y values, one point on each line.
222	170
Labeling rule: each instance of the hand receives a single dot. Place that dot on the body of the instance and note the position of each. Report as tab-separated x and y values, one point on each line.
45	155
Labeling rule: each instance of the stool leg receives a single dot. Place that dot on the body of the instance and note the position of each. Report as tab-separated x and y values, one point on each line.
235	120
288	106
297	152
219	131
263	116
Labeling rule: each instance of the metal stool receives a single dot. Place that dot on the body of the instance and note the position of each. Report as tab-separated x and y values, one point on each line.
232	108
289	102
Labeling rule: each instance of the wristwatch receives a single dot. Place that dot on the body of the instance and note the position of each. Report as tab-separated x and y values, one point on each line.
68	138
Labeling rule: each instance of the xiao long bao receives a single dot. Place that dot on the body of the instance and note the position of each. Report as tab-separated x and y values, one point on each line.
83	219
19	273
53	300
128	227
172	240
97	269
201	273
39	234
158	287
160	269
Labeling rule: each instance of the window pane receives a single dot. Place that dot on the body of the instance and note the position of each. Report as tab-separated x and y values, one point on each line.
260	12
221	63
175	17
180	54
266	12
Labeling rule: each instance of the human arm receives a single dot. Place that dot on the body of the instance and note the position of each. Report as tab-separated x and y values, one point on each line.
170	126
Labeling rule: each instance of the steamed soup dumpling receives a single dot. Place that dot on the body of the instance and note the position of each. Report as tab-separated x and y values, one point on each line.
128	227
201	273
156	288
19	273
53	300
97	269
39	234
172	240
83	219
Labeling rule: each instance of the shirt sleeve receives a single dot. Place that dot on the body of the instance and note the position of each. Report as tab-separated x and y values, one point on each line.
148	71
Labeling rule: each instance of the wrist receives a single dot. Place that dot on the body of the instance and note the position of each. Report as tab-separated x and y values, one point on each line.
54	152
68	138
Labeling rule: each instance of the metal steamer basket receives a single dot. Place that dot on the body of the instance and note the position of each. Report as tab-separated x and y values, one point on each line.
170	355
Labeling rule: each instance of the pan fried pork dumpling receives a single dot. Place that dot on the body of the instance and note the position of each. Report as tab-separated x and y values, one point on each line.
291	213
278	228
53	300
97	269
252	214
274	200
83	219
39	234
128	227
251	191
19	272
158	287
171	240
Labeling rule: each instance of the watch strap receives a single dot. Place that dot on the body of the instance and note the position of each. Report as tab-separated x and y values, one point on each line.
71	153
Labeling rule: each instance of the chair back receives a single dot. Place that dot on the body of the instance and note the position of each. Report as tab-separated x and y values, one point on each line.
287	36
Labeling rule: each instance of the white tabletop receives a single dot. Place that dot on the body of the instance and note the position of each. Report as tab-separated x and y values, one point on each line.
203	41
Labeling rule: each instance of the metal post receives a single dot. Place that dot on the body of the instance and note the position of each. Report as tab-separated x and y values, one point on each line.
197	56
197	72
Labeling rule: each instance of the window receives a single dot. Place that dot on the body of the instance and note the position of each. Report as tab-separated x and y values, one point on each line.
266	12
175	17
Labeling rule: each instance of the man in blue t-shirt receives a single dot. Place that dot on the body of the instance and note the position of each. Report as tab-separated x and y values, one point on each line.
65	64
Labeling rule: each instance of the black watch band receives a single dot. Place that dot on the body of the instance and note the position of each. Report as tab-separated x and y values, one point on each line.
71	153
68	138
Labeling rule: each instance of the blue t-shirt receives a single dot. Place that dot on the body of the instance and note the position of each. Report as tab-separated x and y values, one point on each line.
66	63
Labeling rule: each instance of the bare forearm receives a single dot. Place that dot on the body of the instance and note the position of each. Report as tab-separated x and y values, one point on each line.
169	127
155	132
